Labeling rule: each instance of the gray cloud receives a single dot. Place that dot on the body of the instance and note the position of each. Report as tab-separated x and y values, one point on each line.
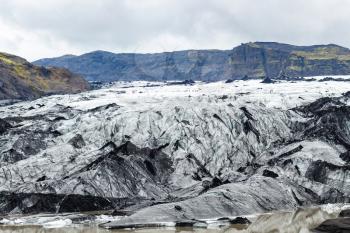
45	28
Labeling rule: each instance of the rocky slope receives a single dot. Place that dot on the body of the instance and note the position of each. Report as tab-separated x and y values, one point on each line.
250	60
180	153
20	79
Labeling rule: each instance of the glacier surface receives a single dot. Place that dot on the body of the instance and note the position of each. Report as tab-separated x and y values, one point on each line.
178	153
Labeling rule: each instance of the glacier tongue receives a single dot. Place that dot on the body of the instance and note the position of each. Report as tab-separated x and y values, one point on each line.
215	149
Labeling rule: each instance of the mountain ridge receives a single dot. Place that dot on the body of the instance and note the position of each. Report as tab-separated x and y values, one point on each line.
252	60
188	50
22	80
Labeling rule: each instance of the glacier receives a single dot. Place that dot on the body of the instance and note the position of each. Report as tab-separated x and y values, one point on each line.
163	153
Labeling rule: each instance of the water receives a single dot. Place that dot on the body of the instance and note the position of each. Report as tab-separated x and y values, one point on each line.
95	229
298	221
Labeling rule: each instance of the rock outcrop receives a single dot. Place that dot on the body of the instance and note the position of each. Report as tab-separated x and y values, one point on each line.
21	80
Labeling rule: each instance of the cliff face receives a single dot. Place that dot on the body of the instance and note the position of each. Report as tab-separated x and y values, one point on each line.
273	60
253	60
20	79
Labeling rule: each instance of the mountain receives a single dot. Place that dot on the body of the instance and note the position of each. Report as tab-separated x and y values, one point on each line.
250	60
179	153
20	79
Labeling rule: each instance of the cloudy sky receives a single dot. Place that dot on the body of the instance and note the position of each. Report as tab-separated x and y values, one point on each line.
46	28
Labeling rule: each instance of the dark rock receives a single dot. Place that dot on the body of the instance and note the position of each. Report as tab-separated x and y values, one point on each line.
327	79
104	107
237	220
273	161
77	141
245	78
247	113
269	173
4	126
320	170
185	82
186	122
240	220
56	133
345	156
41	179
298	169
36	203
31	142
202	170
224	97
223	219
150	167
120	213
248	127
130	164
79	219
12	156
339	225
333	195
321	106
214	182
285	162
59	118
329	122
267	80
216	116
345	213
293	151
185	223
